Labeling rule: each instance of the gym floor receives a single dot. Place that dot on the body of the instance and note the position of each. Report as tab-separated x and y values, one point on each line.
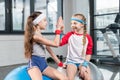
110	72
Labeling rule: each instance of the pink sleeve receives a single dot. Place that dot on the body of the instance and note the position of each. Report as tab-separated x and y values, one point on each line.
65	38
90	45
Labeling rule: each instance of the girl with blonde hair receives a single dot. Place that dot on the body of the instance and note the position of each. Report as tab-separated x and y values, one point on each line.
79	48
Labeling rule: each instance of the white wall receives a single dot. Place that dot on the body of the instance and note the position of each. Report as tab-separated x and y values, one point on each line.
12	46
11	49
82	7
75	6
67	13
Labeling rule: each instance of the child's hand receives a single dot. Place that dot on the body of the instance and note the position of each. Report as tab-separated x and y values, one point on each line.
64	66
60	24
83	70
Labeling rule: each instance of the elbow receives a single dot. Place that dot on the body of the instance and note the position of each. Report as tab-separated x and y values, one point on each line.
56	45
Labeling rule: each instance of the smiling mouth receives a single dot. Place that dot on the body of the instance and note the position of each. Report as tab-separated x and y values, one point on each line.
74	27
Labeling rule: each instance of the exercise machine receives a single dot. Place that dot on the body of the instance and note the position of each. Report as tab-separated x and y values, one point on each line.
115	58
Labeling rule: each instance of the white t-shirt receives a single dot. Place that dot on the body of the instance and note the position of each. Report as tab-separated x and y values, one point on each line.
75	46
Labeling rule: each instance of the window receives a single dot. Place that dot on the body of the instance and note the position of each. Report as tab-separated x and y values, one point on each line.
103	21
14	13
50	8
106	6
20	11
2	15
103	14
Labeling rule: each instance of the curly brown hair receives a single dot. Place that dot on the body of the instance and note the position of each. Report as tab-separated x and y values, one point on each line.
28	41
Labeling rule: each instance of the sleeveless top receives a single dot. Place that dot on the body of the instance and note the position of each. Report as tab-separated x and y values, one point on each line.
38	50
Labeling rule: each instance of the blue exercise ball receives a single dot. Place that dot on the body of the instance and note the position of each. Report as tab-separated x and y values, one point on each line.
20	73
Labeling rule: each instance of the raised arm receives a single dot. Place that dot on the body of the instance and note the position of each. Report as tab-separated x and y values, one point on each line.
55	43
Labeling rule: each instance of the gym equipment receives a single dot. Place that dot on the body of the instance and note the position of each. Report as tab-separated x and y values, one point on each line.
20	73
115	59
96	73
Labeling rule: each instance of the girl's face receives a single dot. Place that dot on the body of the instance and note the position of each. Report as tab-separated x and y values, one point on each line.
76	26
42	24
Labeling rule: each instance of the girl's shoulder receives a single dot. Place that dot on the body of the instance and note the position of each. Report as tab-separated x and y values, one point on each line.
89	37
